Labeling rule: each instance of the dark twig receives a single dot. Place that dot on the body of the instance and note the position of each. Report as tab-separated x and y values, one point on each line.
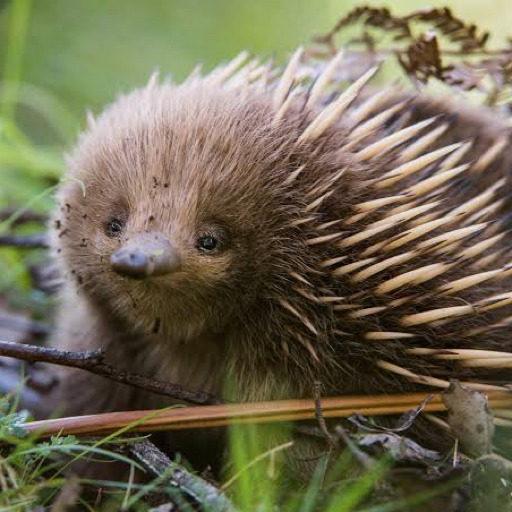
39	240
365	460
22	218
199	490
330	439
93	361
404	423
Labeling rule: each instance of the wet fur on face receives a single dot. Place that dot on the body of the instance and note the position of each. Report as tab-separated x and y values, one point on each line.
186	163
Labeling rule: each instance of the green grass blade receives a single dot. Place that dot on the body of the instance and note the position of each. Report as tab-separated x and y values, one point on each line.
19	14
315	485
349	497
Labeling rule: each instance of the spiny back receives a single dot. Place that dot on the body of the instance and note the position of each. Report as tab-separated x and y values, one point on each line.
369	232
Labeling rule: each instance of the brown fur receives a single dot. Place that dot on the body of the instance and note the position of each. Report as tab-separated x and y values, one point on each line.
204	158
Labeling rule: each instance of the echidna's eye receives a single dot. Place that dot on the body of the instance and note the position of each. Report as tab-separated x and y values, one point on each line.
207	243
114	228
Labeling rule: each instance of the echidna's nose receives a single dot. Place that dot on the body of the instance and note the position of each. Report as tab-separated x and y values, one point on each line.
144	255
133	263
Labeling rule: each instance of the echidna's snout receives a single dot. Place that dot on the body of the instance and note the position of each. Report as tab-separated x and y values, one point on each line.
145	255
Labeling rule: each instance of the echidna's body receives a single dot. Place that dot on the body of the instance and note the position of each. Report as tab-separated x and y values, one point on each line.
359	237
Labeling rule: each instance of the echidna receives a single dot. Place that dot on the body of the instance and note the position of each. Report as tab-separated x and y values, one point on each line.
251	224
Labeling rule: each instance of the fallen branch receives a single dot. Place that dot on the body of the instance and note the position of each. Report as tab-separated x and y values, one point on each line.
93	361
194	487
259	412
39	240
22	218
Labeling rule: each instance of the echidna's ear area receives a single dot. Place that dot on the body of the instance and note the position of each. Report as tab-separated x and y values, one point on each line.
410	275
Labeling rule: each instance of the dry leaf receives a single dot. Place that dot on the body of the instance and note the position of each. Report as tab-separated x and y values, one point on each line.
470	419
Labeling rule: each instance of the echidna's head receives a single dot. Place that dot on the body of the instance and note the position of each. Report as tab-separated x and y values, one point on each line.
176	216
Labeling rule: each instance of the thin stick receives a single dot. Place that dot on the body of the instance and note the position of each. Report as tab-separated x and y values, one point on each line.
195	487
260	412
260	457
39	240
25	217
93	361
319	413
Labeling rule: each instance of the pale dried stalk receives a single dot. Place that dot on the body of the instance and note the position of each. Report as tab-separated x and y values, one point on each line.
261	412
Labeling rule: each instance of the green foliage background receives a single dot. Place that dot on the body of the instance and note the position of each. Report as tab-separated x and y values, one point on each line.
83	52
